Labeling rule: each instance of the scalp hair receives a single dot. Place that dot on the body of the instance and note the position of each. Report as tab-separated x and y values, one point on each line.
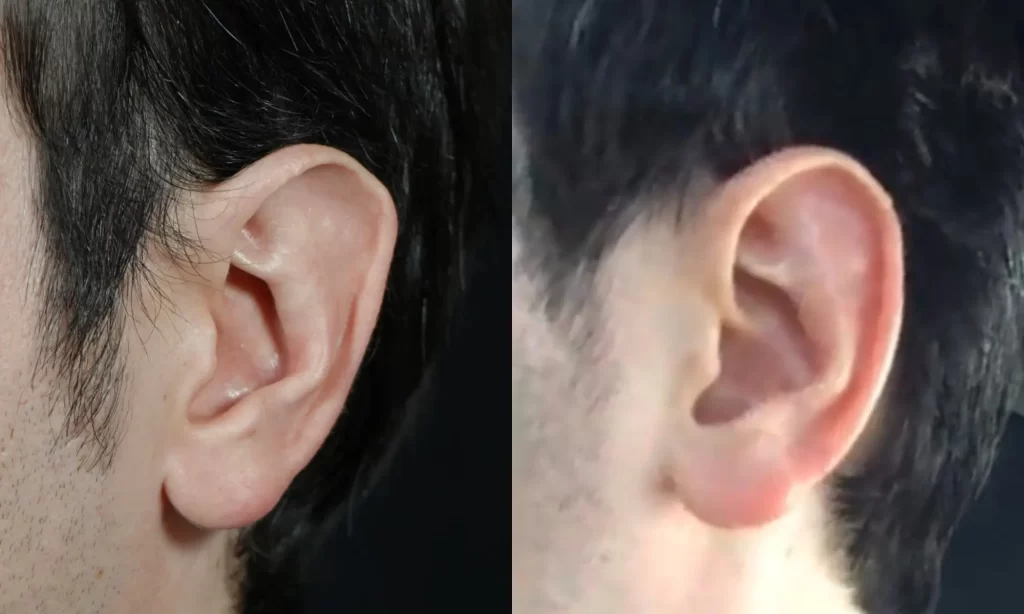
127	102
619	98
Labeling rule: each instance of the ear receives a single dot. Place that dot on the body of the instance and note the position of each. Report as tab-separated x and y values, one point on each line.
305	237
804	255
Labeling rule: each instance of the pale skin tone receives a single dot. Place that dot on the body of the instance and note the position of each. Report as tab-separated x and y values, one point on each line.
230	393
734	363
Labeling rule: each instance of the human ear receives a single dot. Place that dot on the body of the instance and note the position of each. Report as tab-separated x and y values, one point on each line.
305	236
803	253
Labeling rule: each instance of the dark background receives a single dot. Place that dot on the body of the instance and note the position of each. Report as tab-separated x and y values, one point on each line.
434	534
984	571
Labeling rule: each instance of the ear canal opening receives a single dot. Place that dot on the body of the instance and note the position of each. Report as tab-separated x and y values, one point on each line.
249	329
767	361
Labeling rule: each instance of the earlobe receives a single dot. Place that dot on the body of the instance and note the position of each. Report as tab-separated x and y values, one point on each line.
290	314
816	278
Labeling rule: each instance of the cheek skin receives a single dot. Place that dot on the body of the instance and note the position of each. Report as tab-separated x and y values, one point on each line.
73	540
58	550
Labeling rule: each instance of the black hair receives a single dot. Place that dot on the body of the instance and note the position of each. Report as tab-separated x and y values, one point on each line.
620	97
128	101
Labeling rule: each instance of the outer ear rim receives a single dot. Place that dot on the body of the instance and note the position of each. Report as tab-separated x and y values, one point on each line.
241	497
266	176
790	468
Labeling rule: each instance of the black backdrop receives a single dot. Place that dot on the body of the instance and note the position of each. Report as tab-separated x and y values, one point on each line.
984	570
434	534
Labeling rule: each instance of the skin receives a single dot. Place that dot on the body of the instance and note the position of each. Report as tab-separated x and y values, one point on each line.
676	421
234	379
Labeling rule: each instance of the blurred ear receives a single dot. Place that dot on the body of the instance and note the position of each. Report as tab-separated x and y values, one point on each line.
803	255
306	235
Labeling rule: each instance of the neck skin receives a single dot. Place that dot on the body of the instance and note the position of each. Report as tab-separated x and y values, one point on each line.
197	574
673	564
784	568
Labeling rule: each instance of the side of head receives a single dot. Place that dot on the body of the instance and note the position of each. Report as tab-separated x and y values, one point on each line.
766	299
224	225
